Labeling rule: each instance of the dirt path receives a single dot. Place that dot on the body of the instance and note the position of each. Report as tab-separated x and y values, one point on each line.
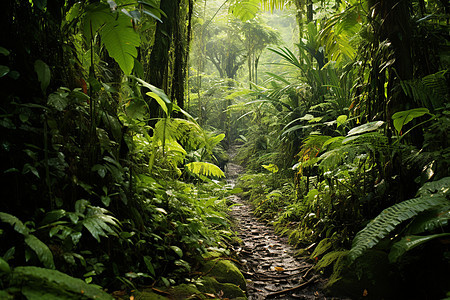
268	262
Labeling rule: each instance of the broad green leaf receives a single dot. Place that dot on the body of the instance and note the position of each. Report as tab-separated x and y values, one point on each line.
4	266
157	92
53	216
96	16
57	283
402	118
245	9
4	70
148	263
371	126
217	220
204	168
409	242
42	251
159	100
4	51
57	101
341	120
43	72
121	41
177	250
271	168
15	222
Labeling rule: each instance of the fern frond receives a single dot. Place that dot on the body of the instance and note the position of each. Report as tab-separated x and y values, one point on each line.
204	168
98	223
391	217
330	258
323	246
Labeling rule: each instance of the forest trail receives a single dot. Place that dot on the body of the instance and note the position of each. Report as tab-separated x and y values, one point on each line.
268	262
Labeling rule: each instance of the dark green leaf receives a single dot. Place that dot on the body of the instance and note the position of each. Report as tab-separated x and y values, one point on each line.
148	263
57	101
409	242
3	70
43	72
402	118
177	250
4	51
42	251
371	126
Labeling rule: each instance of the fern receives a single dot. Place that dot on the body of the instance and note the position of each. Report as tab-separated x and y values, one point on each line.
330	258
204	168
323	246
391	217
98	223
39	283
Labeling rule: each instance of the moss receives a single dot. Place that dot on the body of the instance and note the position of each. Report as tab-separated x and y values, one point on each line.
224	271
211	285
148	295
185	291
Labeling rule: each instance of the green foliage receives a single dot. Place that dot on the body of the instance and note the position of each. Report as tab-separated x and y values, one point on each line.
39	283
431	195
204	168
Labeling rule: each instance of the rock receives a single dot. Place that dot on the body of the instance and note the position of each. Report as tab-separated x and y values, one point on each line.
226	290
224	271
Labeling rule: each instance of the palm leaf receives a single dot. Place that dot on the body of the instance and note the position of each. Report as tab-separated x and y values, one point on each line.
205	169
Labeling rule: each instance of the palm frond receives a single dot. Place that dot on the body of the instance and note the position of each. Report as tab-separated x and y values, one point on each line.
205	169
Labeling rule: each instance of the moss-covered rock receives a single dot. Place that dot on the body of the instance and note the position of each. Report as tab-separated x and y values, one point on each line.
224	271
228	290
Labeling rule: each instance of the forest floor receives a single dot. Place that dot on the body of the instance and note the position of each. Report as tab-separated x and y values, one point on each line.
267	260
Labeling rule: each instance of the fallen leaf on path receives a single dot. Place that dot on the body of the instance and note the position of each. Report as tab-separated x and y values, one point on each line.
279	269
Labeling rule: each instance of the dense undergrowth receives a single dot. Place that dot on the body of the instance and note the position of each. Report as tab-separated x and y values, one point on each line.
99	194
352	164
106	178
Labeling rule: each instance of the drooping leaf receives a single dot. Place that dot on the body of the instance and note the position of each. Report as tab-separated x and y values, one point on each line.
15	222
205	168
4	51
121	41
4	70
148	263
371	126
42	251
163	100
244	9
4	266
177	250
271	168
409	242
43	72
402	118
53	282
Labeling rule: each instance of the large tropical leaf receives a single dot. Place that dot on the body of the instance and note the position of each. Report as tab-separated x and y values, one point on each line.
39	283
42	251
121	41
204	168
244	9
402	118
